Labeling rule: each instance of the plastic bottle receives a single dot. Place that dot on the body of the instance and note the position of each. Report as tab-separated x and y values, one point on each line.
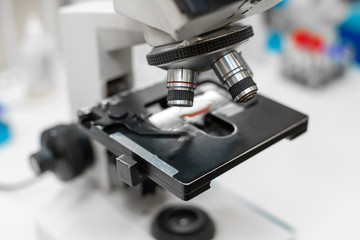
38	58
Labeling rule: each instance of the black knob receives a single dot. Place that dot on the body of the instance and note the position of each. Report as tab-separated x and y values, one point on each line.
65	150
117	112
183	223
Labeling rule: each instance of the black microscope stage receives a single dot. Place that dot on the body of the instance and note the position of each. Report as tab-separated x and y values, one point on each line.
185	159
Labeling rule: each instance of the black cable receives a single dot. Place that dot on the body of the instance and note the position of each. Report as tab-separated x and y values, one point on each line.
211	81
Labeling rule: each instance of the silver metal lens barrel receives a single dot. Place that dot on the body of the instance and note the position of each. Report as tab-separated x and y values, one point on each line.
181	84
236	76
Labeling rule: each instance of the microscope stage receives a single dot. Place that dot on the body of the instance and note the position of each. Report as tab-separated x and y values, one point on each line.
186	155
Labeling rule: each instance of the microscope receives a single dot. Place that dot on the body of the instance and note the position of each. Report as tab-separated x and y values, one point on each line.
170	139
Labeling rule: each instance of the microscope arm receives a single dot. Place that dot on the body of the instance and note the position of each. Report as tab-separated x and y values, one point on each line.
97	50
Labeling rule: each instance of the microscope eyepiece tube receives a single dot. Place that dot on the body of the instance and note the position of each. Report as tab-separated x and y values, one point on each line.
236	77
181	84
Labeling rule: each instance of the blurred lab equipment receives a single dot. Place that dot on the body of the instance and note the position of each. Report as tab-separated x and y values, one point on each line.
4	127
312	49
38	59
14	25
307	58
349	29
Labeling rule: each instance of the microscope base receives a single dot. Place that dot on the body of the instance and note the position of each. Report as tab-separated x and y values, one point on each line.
82	211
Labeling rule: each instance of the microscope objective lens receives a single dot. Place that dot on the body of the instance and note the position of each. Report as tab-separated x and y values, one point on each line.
236	77
181	84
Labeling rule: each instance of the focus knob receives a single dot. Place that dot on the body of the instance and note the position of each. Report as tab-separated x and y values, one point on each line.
65	151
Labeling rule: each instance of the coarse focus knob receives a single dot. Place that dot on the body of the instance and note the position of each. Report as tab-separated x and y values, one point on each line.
236	77
65	150
181	84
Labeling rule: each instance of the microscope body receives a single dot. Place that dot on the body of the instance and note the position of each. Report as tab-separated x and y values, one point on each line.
152	138
143	136
99	47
